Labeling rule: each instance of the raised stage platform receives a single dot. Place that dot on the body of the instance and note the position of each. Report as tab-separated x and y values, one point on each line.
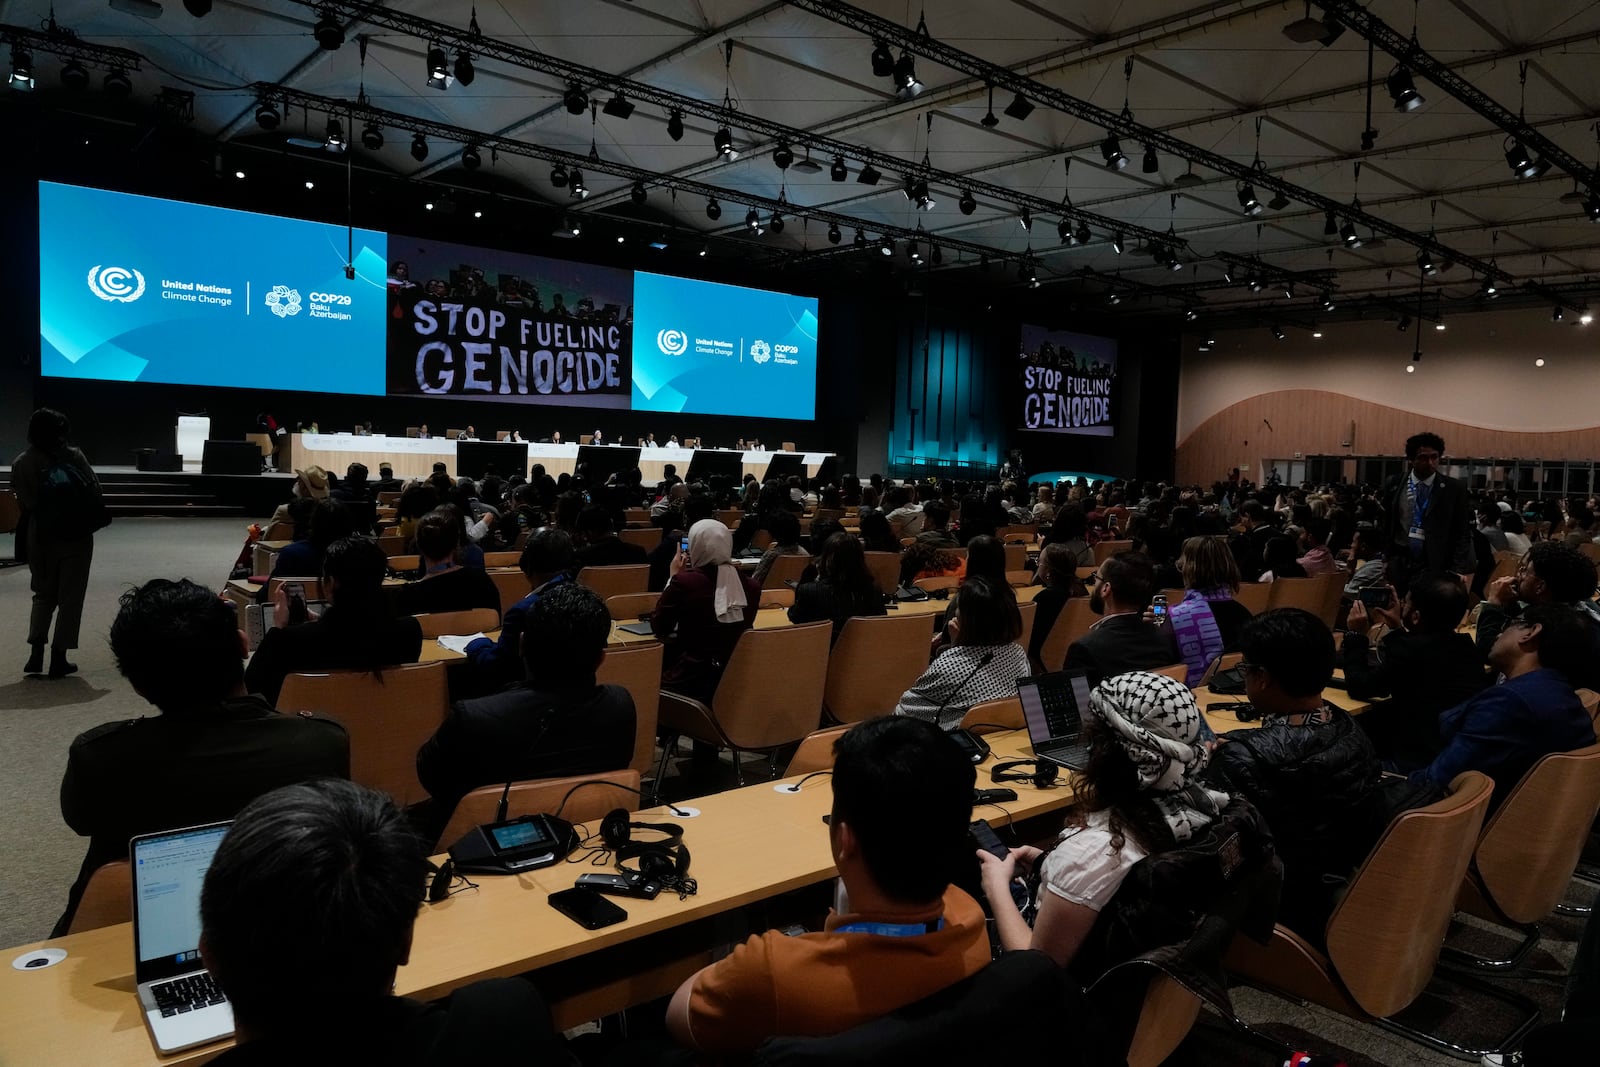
130	491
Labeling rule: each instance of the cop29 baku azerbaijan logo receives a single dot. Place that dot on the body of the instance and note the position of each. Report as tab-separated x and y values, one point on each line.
672	342
760	351
284	301
122	285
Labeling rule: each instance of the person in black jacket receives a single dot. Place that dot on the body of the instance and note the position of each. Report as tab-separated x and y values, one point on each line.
598	543
1058	578
1308	769
1424	666
358	631
1122	641
557	722
1427	521
212	750
445	584
843	587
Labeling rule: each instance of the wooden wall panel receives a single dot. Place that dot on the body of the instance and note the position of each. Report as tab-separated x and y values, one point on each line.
1316	423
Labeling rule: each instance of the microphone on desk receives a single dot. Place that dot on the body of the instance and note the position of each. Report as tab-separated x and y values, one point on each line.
981	664
796	787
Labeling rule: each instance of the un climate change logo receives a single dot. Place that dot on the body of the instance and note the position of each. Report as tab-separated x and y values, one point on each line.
120	284
284	301
760	351
672	342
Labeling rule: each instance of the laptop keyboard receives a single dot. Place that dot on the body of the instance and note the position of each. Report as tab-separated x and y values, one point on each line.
1074	753
189	993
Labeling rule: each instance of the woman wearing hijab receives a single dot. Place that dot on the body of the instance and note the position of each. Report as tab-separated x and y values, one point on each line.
706	605
1139	794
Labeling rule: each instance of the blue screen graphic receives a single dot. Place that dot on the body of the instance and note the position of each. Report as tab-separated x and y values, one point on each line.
133	288
722	349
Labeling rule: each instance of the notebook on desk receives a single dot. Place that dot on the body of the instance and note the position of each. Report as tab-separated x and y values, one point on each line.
182	1006
1052	705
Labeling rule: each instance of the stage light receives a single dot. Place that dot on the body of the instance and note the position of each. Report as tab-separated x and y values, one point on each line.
419	147
1191	315
1083	233
675	125
1591	207
477	213
1316	334
1151	163
1255	285
1111	152
1439	326
267	116
1247	200
968	203
575	100
882	59
1490	289
618	107
1404	324
74	76
1426	264
913	253
1064	231
1277	332
334	140
1369	138
1327	301
438	69
838	172
239	174
868	175
21	70
1288	290
834	236
1330	225
776	225
713	209
937	253
1019	108
1403	91
1411	368
722	141
783	155
1521	163
704	249
117	83
310	184
640	194
1585	319
1324	31
465	71
906	84
1025	220
1116	243
886	245
1174	263
575	186
1555	315
920	195
372	137
752	221
1539	362
1348	234
1278	201
571	226
427	205
1113	298
622	239
861	238
470	158
328	31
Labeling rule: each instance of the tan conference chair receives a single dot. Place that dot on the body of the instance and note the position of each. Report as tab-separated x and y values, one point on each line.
1106	549
107	899
637	668
885	568
1254	595
874	662
586	803
501	559
625	606
513	586
1074	621
471	621
786	569
615	581
992	715
1307	593
816	750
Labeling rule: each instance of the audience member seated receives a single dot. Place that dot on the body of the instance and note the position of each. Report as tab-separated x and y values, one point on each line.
1058	577
445	584
675	496
982	662
1044	509
936	526
979	518
387	482
1122	640
785	530
1071	530
326	522
309	484
930	561
1423	668
416	500
903	512
1140	793
705	607
355	488
986	558
1207	621
1489	526
357	631
1308	769
329	872
598	543
547	560
876	534
1550	573
213	748
698	506
1250	544
902	800
1314	540
556	722
1508	727
843	586
1281	559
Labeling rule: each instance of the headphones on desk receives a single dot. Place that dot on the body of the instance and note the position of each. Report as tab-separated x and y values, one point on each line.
665	861
1044	773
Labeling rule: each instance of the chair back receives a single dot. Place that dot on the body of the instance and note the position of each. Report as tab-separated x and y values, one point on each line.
730	517
1177	672
885	568
1106	549
832	514
614	581
471	621
1016	534
405	564
874	662
1590	549
1307	593
1591	703
788	446
586	438
754	713
388	499
992	715
786	569
646	538
943	581
279	531
501	559
107	899
1530	847
1019	579
1016	556
1165	1019
636	516
1506	564
816	751
388	715
626	606
513	586
1074	621
1254	595
776	598
613	789
1385	935
392	546
637	668
1027	609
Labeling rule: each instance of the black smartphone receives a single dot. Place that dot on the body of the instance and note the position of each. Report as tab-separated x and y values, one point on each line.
982	835
587	908
1377	597
295	592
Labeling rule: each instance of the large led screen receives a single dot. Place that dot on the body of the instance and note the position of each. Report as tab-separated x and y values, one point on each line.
1068	382
723	349
136	289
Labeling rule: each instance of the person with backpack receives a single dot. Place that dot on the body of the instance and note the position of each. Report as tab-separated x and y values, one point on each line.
63	507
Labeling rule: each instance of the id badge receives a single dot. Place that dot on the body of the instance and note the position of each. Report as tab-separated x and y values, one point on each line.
1416	534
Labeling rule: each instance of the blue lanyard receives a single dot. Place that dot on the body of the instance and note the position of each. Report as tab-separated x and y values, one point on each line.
1419	510
891	929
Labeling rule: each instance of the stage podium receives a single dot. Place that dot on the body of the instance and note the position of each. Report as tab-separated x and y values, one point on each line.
192	434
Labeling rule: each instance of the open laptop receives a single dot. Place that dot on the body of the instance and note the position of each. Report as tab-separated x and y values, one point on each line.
182	1006
1052	706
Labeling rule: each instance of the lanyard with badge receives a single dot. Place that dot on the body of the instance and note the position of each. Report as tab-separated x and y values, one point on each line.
1419	512
891	929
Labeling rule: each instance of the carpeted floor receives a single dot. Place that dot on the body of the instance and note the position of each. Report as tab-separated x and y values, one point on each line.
38	720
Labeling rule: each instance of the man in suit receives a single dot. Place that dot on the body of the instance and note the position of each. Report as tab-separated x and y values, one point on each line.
1428	525
1249	545
599	544
547	561
555	722
387	482
1122	641
212	750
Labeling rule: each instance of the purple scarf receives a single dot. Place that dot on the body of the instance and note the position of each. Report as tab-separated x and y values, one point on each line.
1195	627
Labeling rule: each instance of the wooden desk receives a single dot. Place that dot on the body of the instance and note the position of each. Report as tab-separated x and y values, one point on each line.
749	845
263	553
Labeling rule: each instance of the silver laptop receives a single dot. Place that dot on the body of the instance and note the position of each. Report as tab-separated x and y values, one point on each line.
182	1006
1052	706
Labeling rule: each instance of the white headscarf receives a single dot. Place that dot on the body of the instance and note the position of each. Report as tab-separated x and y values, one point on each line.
711	544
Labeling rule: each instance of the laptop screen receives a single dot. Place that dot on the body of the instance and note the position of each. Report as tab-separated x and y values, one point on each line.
168	870
1051	703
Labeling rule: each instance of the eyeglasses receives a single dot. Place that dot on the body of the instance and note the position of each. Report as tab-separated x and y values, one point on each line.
1245	665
